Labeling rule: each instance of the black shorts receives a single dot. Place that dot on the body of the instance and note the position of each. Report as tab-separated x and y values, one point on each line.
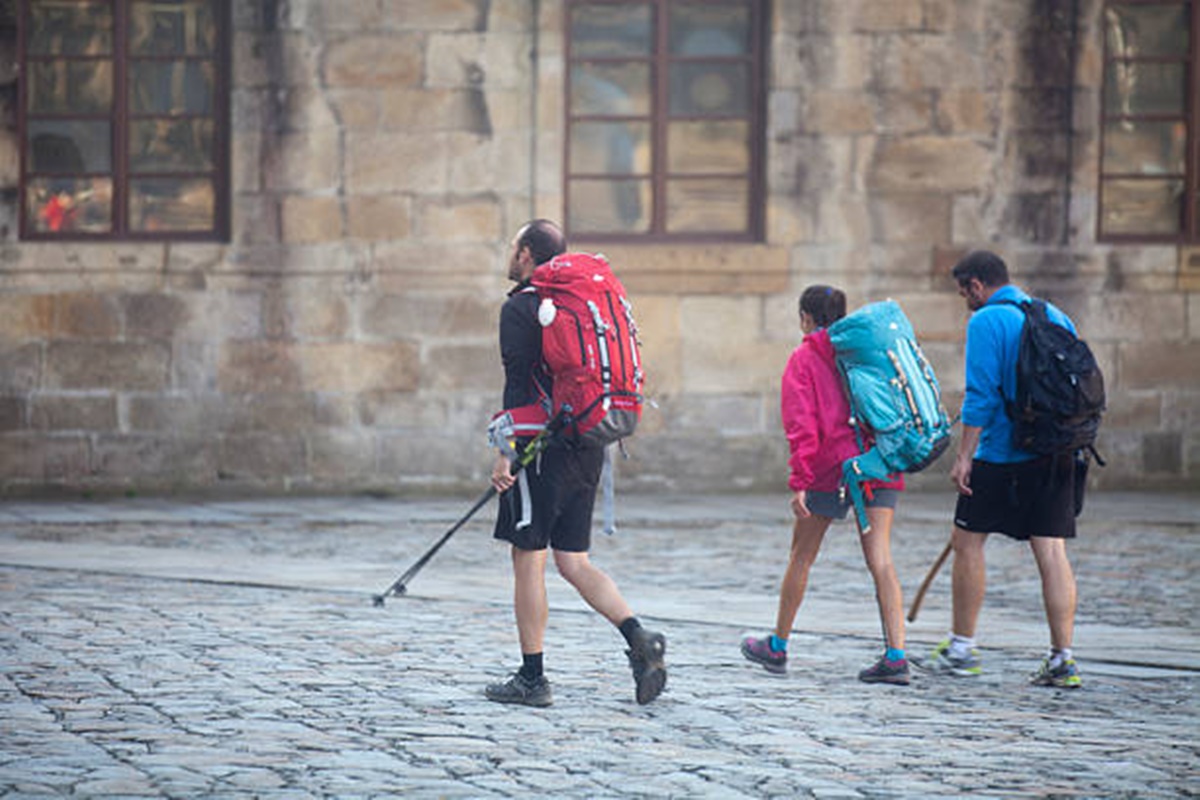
552	501
1029	498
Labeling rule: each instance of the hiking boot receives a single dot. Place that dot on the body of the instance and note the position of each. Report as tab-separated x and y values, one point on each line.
1064	676
884	671
759	651
521	690
646	659
943	661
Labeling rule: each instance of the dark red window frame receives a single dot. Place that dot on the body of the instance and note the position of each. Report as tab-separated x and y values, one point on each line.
756	63
122	120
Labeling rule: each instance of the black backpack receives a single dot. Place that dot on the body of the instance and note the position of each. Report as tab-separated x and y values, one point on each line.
1060	389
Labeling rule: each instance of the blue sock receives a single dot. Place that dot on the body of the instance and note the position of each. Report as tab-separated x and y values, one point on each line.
893	654
777	645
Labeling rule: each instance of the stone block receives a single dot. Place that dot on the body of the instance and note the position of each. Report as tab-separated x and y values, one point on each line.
661	339
404	410
66	459
316	310
12	414
1162	453
1136	410
52	412
905	112
492	60
905	217
250	367
154	316
732	414
432	458
967	111
935	316
114	366
870	16
358	367
186	414
355	109
840	113
20	367
1158	365
448	219
304	161
496	164
1133	317
306	108
311	219
930	164
26	317
87	316
379	217
353	15
1193	315
429	315
374	61
916	61
262	458
732	269
458	367
452	15
263	412
724	349
342	458
392	162
424	110
844	219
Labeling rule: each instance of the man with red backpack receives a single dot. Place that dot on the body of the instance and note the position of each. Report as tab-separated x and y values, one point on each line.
550	503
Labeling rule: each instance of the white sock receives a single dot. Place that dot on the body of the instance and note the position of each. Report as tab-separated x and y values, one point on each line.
961	646
1057	657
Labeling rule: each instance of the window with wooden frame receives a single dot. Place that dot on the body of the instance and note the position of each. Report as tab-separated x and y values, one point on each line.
665	109
123	119
1150	168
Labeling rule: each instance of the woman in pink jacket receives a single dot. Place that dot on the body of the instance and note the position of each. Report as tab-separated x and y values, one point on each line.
816	417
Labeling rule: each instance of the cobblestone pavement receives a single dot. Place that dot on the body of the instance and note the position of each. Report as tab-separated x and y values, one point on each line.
176	648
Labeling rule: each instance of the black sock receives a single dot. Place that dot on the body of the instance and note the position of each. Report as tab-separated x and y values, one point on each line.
628	628
531	666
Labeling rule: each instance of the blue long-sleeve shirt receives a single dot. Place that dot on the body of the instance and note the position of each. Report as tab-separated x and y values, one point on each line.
993	339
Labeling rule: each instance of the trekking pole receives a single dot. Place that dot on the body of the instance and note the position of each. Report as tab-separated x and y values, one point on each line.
399	586
933	571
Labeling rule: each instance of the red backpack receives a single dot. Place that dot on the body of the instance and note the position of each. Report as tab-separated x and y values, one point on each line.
590	348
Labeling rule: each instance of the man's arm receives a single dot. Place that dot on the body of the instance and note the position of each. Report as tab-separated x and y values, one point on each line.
960	473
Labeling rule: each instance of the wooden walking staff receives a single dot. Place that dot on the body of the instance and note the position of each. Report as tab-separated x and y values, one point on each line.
933	571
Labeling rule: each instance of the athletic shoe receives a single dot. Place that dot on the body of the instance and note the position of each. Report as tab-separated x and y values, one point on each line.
646	660
1064	676
521	690
759	651
943	661
884	671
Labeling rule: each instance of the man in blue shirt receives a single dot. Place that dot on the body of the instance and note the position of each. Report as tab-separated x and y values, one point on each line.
1003	489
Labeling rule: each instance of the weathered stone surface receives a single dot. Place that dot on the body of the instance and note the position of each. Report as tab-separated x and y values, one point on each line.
374	61
933	164
119	366
66	412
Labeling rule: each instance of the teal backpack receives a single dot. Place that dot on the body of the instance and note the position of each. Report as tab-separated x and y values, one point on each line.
893	395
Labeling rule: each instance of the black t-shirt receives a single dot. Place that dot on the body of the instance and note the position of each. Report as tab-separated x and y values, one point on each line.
521	349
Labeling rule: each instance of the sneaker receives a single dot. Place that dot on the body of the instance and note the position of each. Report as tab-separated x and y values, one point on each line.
943	661
646	660
521	690
884	671
1064	676
759	651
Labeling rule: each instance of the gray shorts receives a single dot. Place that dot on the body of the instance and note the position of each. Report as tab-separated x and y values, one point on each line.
835	506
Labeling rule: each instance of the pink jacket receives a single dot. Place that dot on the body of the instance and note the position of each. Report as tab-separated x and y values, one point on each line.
816	418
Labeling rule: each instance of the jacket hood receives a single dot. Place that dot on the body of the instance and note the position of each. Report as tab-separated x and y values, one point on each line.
819	341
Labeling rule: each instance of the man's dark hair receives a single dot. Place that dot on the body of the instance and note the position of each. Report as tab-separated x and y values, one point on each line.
825	304
984	265
544	239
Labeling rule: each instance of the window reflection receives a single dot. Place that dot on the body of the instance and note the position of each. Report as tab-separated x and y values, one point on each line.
70	28
171	204
69	205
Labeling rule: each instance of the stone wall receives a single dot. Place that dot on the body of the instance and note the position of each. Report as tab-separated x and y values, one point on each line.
385	150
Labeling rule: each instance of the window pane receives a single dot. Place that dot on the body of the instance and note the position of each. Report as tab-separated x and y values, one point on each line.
610	89
69	146
65	28
709	30
172	87
610	30
603	206
181	27
699	90
708	147
57	205
707	206
171	145
70	87
1142	207
1148	148
1154	30
613	148
169	204
1140	88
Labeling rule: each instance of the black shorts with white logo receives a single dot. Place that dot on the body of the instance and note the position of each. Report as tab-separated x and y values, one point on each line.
1021	500
552	501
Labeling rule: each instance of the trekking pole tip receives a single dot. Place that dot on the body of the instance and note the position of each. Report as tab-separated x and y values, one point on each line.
377	601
